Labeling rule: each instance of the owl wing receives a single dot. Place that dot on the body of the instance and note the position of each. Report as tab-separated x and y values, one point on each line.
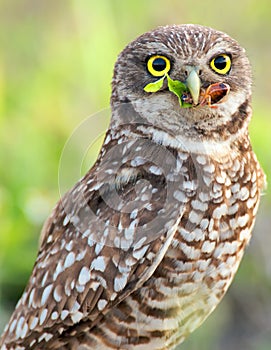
104	239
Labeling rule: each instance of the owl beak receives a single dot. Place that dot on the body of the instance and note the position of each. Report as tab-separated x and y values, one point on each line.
193	83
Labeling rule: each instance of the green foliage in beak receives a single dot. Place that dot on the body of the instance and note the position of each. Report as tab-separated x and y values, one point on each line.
178	88
175	86
153	87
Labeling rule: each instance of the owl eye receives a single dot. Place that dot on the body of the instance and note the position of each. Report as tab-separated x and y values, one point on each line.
158	65
221	64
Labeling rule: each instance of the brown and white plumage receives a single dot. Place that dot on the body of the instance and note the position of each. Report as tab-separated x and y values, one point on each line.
141	250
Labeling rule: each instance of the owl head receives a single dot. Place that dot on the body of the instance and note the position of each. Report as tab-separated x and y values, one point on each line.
185	78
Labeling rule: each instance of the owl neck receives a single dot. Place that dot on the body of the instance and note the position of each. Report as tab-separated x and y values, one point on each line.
216	135
226	125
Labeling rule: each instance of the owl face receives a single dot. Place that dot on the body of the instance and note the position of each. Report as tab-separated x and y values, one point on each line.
192	56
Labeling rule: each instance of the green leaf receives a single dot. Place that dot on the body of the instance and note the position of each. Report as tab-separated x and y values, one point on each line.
185	104
153	87
175	86
178	88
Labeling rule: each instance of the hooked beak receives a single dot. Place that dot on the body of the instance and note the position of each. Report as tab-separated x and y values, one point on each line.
193	83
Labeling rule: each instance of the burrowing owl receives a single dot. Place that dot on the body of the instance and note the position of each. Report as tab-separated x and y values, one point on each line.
141	250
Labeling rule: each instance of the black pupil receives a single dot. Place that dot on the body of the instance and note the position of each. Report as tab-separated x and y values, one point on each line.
159	64
220	62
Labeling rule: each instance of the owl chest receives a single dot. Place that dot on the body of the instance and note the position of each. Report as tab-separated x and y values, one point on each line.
195	272
214	229
218	204
207	248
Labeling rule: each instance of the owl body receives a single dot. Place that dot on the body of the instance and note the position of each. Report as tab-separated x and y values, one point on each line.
201	260
146	244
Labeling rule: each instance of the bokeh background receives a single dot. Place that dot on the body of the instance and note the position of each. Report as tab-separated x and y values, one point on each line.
56	62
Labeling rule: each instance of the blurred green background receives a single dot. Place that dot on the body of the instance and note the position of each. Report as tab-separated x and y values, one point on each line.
56	62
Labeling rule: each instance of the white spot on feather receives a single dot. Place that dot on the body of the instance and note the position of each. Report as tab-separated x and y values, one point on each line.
54	315
180	196
31	298
98	248
77	317
84	276
19	327
139	243
201	160
59	269
138	254
33	323
138	161
134	213
69	261
97	264
43	316
195	217
12	326
68	246
24	330
66	220
155	170
220	211
64	314
57	293
101	304
243	220
120	283
81	255
45	294
33	342
208	247
86	233
48	336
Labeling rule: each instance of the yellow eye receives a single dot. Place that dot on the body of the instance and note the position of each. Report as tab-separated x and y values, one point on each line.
221	64
158	65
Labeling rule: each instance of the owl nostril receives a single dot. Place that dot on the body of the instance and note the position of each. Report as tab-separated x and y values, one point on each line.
188	71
